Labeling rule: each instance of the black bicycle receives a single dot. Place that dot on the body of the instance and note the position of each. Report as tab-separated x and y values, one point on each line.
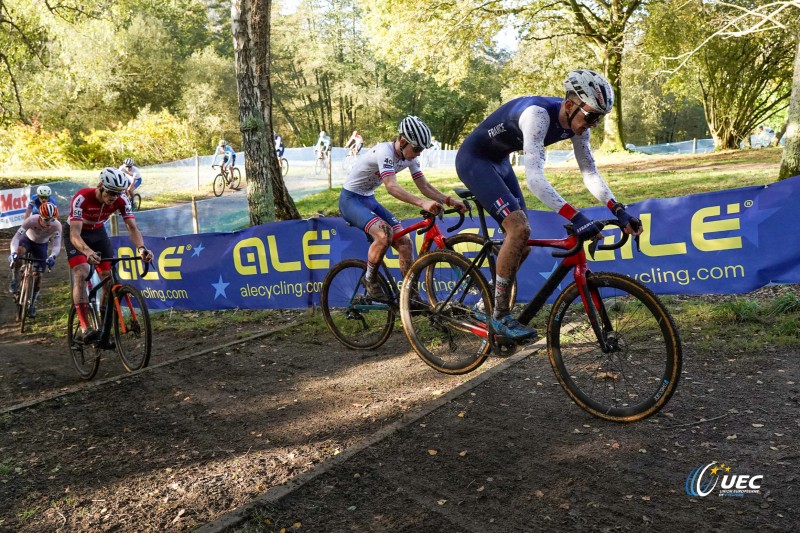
125	313
230	177
612	343
23	298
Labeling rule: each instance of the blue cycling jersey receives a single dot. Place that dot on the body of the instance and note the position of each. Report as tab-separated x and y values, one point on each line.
500	133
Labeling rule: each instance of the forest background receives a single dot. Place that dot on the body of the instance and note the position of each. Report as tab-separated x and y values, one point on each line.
84	84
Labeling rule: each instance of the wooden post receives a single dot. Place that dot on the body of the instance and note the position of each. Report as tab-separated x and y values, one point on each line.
694	145
195	219
197	168
114	223
330	166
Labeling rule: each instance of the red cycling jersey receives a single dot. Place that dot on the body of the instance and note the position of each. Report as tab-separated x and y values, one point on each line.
93	213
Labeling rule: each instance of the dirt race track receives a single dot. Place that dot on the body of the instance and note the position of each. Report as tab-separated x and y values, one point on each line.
180	444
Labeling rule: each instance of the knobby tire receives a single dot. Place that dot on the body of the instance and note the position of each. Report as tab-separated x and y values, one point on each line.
639	374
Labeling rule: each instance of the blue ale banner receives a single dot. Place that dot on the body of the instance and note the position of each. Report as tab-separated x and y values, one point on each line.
724	242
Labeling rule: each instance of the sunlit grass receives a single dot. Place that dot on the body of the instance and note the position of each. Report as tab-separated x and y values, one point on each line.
632	178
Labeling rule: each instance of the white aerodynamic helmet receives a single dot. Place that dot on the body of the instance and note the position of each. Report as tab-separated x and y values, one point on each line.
43	191
113	180
592	88
415	131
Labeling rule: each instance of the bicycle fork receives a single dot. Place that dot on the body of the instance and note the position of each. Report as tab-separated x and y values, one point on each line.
595	310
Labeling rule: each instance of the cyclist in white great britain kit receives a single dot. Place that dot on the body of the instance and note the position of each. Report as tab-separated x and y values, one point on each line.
530	123
380	165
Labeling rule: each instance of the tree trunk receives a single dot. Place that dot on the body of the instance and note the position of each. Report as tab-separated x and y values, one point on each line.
790	162
267	196
612	124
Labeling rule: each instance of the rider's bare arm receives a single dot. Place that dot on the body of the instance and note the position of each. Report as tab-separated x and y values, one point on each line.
137	239
396	190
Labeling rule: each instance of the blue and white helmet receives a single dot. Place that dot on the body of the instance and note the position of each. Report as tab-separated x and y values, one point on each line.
415	131
592	88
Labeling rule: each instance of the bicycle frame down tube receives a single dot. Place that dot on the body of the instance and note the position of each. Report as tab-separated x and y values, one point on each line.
550	285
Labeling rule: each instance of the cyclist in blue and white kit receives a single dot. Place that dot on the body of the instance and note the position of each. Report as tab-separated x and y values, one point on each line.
323	144
133	174
228	155
43	194
380	165
530	123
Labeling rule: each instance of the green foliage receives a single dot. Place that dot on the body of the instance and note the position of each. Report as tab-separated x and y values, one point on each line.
149	138
209	98
785	304
23	146
743	81
739	310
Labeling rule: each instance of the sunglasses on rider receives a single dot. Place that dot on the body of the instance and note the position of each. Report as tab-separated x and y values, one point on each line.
592	118
112	194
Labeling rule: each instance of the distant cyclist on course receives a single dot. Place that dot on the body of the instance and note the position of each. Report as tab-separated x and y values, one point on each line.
43	194
134	176
323	144
279	148
33	236
380	165
227	153
530	123
356	141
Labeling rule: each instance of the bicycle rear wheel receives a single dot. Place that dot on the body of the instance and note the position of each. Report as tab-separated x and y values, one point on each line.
642	364
468	245
447	335
355	319
236	178
132	329
25	296
85	358
219	184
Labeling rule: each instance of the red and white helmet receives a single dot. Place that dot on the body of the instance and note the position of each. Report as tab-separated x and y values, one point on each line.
592	88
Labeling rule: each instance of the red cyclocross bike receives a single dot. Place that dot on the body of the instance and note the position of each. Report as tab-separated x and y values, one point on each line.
611	342
363	323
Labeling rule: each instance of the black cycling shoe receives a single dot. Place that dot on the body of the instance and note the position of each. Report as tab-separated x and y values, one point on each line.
91	337
108	345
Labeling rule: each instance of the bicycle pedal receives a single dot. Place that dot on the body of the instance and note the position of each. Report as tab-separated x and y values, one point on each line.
505	347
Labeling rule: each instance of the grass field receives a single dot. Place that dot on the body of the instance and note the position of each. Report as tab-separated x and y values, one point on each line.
632	177
736	323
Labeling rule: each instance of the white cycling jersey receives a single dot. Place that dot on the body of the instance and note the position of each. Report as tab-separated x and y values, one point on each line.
38	234
133	174
372	168
534	122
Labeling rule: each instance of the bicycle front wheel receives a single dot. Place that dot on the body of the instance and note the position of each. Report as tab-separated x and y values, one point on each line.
25	297
219	184
640	367
85	358
318	164
284	166
132	328
440	312
355	319
236	178
136	201
468	245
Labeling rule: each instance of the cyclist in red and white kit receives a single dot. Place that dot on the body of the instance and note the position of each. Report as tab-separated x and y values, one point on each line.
87	241
33	236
